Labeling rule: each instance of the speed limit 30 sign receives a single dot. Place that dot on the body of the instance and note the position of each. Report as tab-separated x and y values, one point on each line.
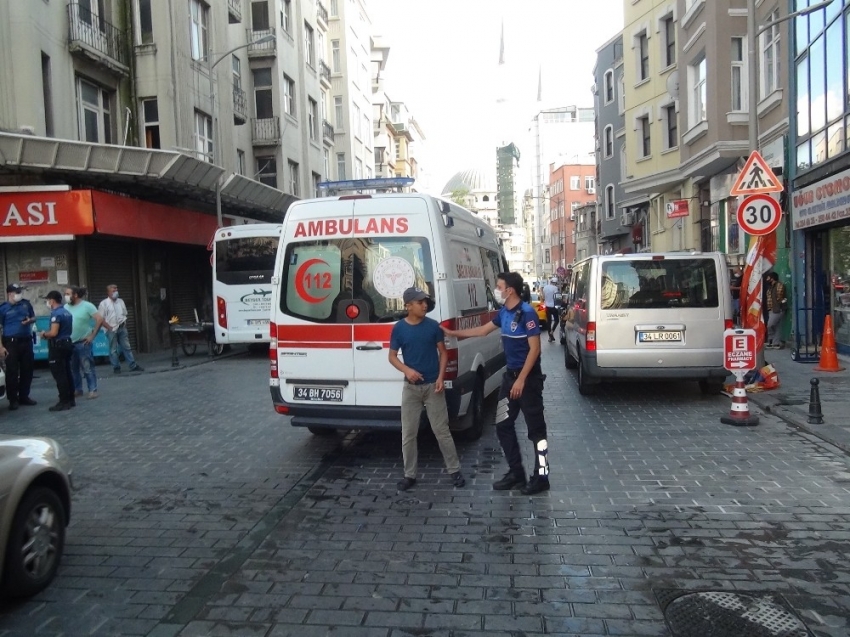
759	214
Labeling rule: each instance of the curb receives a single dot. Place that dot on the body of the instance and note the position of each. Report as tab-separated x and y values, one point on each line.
195	362
833	434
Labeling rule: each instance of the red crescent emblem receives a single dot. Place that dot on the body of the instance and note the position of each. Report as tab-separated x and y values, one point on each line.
300	277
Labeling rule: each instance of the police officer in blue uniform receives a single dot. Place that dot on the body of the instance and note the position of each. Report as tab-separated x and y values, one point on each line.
16	319
522	384
59	350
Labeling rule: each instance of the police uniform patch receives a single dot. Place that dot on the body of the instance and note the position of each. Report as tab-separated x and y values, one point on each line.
531	324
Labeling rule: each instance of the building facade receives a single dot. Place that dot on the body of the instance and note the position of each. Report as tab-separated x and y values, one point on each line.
571	185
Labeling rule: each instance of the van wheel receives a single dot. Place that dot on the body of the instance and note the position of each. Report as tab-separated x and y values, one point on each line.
476	412
322	431
710	388
569	361
585	387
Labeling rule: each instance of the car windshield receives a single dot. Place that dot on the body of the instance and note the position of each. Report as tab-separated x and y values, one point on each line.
658	283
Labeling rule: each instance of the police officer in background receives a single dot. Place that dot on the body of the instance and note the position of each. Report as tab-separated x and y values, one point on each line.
16	319
522	384
59	350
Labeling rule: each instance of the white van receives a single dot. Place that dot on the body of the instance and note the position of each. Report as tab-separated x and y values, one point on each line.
341	269
648	316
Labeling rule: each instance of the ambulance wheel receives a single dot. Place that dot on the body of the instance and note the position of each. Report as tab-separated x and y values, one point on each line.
476	412
324	432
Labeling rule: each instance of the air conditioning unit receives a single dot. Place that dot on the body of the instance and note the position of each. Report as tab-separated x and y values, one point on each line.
573	215
628	219
591	189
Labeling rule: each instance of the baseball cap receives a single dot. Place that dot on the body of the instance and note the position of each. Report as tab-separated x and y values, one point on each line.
415	294
53	295
15	287
554	279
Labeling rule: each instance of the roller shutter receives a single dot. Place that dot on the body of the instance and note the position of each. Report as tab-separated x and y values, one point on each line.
191	280
110	262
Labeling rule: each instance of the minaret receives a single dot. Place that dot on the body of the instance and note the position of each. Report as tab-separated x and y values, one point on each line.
539	86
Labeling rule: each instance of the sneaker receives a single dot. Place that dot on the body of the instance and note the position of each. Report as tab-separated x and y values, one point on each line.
405	483
13	405
457	479
551	338
93	394
60	407
29	402
137	368
79	392
116	370
509	481
537	484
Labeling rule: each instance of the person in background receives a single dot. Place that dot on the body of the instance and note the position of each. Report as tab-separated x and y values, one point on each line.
59	350
522	385
526	293
114	313
420	339
87	322
16	319
776	304
549	292
735	282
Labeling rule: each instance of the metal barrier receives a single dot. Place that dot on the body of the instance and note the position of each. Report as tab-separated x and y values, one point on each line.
808	332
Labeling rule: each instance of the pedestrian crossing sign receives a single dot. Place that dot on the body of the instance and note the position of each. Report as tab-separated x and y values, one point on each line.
756	178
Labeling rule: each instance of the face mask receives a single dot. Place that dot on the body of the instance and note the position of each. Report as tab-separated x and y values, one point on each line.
14	298
67	298
114	295
49	307
498	297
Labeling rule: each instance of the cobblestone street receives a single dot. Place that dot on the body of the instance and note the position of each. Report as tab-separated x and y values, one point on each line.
199	511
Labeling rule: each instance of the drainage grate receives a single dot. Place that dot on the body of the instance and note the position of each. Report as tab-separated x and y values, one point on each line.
721	614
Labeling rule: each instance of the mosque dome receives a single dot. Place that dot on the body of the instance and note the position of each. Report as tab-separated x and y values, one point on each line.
474	179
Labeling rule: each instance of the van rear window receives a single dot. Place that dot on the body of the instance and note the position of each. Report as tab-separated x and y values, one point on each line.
668	283
322	278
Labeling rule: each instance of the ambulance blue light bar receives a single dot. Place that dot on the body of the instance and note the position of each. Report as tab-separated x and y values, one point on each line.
366	184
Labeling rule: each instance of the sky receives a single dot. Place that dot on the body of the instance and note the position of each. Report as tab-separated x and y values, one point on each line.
443	64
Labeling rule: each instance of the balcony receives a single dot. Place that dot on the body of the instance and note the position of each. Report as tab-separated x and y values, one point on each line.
266	49
240	106
266	131
97	40
321	14
328	132
325	73
234	11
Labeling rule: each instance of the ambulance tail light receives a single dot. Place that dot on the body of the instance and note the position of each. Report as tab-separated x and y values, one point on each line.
590	344
728	324
221	311
273	351
452	365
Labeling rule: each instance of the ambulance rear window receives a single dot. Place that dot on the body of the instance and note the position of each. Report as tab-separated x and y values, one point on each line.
321	278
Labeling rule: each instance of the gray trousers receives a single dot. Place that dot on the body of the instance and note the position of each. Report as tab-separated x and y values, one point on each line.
774	323
413	397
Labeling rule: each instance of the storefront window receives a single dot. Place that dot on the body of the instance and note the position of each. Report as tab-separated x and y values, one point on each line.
840	283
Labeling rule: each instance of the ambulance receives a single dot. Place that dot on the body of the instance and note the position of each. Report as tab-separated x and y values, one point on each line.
341	268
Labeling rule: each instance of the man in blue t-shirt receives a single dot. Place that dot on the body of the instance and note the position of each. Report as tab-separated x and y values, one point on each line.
522	384
59	350
16	319
420	340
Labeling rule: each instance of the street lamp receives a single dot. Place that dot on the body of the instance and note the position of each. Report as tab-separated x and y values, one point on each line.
216	155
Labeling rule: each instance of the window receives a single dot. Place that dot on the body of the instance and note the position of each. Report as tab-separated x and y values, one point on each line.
199	20
770	64
671	126
739	77
47	94
94	112
336	64
621	95
356	119
263	102
313	120
546	257
696	76
643	56
338	114
671	283
204	136
144	22
645	141
610	204
608	141
267	171
286	16
366	126
236	65
358	168
309	53
288	96
669	31
326	165
340	166
316	181
240	162
623	170
609	87
260	15
150	116
575	182
590	184
293	178
334	8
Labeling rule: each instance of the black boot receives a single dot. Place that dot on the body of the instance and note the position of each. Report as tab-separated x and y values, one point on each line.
511	480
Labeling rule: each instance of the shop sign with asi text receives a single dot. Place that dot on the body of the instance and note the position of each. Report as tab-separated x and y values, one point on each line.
43	214
822	202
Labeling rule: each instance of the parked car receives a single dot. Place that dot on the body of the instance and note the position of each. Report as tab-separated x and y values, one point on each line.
35	508
540	307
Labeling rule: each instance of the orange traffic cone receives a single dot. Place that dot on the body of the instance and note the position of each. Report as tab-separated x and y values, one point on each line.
828	354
